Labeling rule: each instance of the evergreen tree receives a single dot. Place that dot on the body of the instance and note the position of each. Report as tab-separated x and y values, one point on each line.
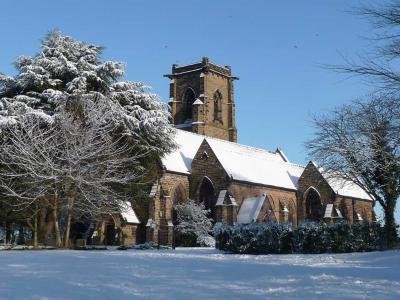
76	137
69	70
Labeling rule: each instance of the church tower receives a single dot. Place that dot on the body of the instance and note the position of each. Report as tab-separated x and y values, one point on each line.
201	99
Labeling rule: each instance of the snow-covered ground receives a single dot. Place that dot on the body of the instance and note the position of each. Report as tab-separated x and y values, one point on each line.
197	274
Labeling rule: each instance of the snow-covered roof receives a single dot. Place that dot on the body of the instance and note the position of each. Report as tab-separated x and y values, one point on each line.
250	209
198	102
331	212
343	187
221	199
180	160
129	214
241	162
328	211
256	165
245	163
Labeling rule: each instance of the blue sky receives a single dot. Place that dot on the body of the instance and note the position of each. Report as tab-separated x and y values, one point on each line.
275	47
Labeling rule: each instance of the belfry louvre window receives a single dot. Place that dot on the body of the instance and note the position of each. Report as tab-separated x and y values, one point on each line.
189	98
218	106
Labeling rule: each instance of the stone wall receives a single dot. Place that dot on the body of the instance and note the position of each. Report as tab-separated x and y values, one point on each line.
312	178
206	164
204	79
278	198
215	82
128	232
162	206
177	92
349	207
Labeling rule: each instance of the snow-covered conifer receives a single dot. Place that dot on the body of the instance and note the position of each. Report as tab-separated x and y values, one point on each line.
72	135
67	69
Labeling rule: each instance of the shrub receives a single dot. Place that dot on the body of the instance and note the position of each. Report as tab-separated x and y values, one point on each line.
193	226
254	238
309	237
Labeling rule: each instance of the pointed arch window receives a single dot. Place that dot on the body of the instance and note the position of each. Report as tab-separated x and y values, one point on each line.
207	196
313	205
218	106
178	197
189	98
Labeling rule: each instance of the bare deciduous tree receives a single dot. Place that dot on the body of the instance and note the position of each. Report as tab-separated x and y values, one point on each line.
361	143
380	67
79	168
74	163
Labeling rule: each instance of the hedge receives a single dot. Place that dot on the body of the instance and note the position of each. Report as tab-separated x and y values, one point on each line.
309	237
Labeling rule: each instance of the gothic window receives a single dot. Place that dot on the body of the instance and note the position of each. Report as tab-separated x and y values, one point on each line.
313	205
189	98
207	196
218	106
178	197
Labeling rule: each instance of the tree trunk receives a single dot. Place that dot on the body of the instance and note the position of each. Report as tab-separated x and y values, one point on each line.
4	225
35	230
69	220
390	224
8	232
56	224
21	236
102	232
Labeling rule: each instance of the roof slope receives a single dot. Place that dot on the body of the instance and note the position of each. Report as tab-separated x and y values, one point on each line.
255	165
245	163
224	195
180	160
129	214
241	162
250	209
344	187
340	185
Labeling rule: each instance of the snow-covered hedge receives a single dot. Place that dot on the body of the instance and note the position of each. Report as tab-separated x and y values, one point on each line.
307	238
254	238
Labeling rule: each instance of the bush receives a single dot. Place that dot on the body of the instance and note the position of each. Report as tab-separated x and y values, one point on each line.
193	226
254	238
309	237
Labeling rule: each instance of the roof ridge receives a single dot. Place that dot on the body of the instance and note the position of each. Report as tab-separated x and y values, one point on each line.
258	149
229	142
243	146
297	165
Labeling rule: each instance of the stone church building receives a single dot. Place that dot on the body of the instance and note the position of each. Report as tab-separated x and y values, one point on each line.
238	183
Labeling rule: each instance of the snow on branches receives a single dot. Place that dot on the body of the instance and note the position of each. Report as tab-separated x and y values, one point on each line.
72	135
194	224
74	165
67	69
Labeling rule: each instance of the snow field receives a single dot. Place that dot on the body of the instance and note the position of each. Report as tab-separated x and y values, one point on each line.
197	273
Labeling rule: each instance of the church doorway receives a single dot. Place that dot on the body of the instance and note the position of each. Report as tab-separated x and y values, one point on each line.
313	205
110	234
207	196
